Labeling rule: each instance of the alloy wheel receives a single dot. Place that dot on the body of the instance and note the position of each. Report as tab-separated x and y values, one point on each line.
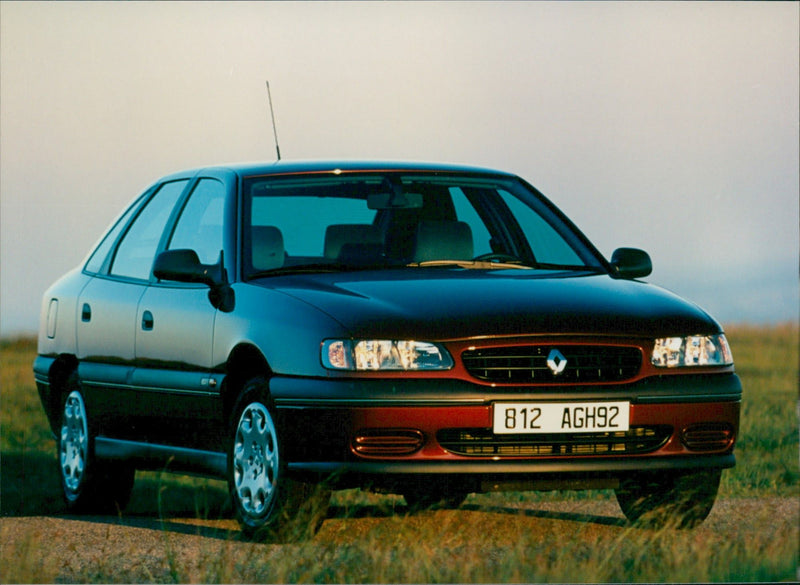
74	443
255	460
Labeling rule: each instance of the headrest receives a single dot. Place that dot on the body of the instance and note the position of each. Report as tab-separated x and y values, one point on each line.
267	247
443	240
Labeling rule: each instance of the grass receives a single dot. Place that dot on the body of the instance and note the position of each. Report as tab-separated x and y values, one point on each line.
767	450
503	537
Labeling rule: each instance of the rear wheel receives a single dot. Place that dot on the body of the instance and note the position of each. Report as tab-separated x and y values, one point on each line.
88	484
267	503
678	500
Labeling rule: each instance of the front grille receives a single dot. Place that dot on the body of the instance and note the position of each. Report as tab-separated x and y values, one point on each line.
585	364
484	443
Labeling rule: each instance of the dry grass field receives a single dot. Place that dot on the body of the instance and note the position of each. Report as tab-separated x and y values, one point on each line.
177	529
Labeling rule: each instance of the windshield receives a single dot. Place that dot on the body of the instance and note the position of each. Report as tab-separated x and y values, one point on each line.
391	220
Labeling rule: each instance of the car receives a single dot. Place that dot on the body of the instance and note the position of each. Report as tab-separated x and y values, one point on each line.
429	330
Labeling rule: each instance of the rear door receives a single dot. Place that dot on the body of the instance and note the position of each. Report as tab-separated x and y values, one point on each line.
107	309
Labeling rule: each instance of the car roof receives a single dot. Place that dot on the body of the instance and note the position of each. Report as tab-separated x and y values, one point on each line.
255	169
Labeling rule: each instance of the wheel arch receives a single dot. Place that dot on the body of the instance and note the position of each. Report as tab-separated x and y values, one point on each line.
58	376
245	362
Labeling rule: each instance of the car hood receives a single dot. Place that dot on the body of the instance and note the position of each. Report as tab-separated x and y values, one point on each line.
440	304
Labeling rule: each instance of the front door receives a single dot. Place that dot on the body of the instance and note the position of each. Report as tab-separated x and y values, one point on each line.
175	374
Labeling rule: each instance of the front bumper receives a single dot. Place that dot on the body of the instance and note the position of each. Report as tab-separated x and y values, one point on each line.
485	476
322	419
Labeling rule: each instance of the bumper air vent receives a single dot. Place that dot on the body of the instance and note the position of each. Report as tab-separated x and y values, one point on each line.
484	443
388	442
708	437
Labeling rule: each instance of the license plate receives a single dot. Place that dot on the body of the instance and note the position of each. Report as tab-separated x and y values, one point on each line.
560	417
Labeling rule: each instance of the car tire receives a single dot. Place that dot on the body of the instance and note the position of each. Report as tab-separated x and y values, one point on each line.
669	500
268	504
89	485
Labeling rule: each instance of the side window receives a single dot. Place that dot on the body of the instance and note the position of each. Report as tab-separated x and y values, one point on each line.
137	250
98	258
200	225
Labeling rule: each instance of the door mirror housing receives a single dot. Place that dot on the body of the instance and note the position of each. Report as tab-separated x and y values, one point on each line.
185	266
631	263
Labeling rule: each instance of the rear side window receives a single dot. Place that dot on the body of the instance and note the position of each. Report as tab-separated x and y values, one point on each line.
97	260
136	252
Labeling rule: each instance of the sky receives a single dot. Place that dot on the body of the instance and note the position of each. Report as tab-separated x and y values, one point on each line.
671	127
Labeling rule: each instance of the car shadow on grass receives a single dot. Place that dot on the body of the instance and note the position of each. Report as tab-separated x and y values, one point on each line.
582	518
30	486
389	510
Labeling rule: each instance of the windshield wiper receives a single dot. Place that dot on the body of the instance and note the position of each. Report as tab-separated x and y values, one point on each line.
470	264
504	265
330	267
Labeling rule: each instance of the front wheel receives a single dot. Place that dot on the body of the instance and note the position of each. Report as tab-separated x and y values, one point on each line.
267	503
88	484
659	500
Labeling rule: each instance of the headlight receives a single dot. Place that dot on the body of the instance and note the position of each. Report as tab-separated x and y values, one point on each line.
693	350
384	354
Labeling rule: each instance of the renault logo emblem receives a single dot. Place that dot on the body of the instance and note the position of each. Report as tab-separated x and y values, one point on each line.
556	362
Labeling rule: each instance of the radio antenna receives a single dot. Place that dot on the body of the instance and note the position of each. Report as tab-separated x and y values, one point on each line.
274	128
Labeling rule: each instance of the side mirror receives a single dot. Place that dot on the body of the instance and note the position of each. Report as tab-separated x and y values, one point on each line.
185	266
631	263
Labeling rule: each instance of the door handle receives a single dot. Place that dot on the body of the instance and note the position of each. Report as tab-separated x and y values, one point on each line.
86	313
147	321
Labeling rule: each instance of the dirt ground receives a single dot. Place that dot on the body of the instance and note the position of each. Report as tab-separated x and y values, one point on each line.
145	548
